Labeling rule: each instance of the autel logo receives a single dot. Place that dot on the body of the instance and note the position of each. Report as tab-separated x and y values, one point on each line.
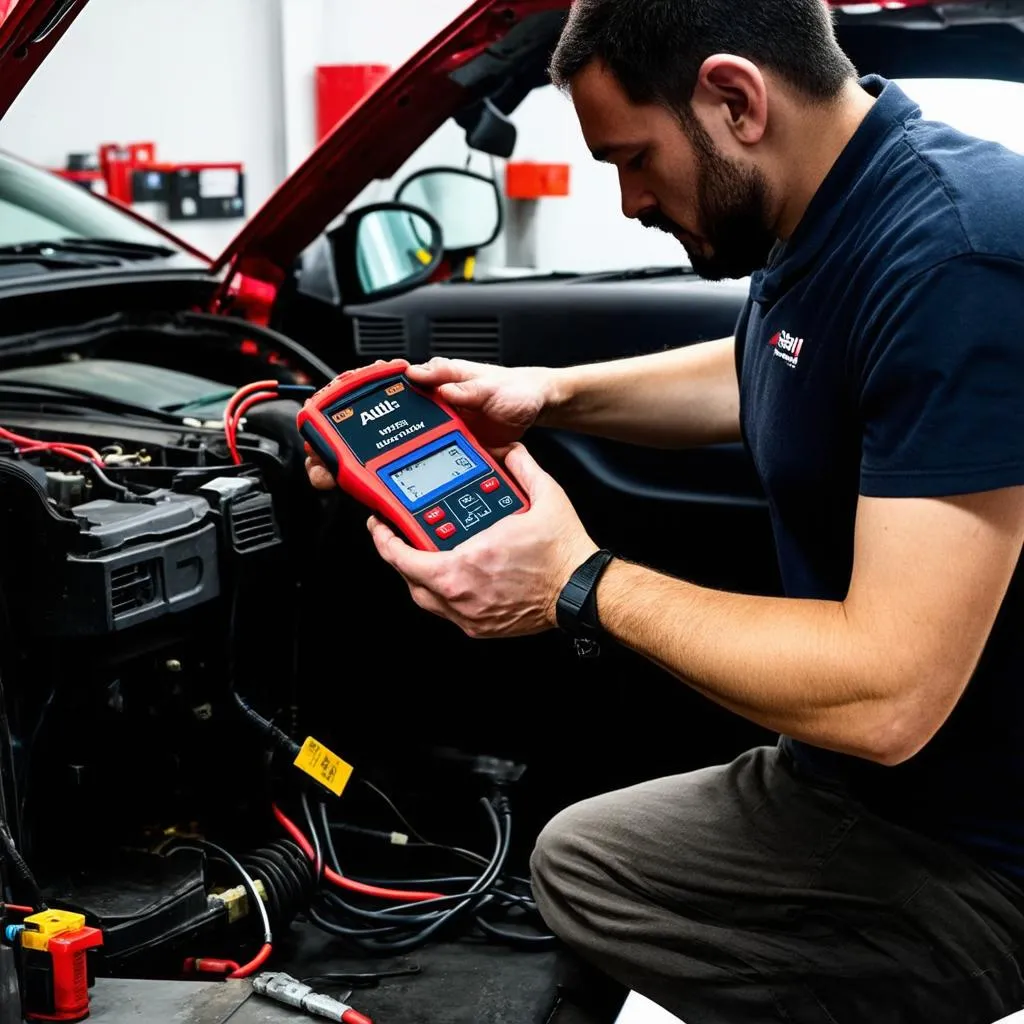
380	409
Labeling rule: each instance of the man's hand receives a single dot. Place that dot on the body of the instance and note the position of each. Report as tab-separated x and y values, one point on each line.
506	580
498	403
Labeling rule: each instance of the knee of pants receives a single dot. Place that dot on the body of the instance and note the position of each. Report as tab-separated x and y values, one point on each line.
567	851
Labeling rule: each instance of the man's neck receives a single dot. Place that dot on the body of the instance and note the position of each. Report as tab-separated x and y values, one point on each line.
825	132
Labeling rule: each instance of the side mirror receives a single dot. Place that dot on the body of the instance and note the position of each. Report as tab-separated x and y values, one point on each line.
465	204
385	249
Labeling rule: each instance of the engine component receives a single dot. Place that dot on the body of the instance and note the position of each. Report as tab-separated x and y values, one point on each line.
67	489
141	901
289	991
287	876
135	561
246	514
10	994
54	964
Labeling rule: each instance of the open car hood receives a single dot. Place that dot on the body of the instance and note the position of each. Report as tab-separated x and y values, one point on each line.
474	56
470	58
29	30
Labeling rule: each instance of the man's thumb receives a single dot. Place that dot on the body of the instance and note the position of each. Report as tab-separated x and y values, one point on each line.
526	470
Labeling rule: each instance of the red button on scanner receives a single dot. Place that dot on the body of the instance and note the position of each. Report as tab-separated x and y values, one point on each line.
490	484
444	532
435	515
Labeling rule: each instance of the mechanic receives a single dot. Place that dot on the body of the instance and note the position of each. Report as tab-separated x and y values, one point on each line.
869	868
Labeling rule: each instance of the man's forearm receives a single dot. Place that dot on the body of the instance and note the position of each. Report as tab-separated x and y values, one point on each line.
676	399
797	667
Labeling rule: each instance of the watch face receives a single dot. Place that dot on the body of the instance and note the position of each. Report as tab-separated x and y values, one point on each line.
586	648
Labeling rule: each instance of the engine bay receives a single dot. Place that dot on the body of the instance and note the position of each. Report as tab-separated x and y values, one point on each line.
178	626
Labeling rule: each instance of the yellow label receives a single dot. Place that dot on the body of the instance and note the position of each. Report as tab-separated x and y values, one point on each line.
324	765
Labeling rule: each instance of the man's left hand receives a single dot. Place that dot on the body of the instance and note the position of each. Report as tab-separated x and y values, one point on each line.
506	580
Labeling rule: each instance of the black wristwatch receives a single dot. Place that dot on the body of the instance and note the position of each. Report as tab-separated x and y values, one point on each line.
576	609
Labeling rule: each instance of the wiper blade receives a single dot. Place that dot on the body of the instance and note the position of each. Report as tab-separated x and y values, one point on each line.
102	251
53	260
117	246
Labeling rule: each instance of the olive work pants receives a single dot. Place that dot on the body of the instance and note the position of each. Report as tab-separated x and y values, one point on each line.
749	893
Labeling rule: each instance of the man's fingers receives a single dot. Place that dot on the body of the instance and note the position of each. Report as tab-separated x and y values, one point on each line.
418	567
441	371
470	394
319	475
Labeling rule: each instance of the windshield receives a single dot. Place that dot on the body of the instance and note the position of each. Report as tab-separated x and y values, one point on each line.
36	206
586	231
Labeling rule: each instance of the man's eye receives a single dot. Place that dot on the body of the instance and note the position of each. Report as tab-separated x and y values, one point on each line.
637	163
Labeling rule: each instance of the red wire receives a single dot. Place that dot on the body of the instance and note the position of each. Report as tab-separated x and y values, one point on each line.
255	963
229	409
79	452
401	895
231	428
18	909
248	389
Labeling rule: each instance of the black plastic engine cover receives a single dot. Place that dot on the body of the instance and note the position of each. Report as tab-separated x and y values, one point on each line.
135	561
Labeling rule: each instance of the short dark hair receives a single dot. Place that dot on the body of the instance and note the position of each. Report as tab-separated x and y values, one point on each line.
656	48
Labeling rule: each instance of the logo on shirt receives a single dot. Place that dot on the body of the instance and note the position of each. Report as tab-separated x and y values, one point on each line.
787	348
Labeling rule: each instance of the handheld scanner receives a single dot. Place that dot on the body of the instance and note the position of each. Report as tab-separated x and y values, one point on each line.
407	455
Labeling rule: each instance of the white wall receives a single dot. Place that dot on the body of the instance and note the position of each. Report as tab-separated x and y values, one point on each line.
199	77
233	80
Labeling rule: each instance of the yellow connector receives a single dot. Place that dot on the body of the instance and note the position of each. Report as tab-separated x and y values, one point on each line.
236	900
41	927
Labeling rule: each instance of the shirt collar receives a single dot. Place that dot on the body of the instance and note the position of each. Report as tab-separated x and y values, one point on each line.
892	109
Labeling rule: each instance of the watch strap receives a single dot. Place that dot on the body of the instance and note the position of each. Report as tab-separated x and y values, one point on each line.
576	608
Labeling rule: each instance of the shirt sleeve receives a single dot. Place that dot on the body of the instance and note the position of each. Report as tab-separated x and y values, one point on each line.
942	384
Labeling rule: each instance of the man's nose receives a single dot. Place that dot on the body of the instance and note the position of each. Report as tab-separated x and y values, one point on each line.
634	199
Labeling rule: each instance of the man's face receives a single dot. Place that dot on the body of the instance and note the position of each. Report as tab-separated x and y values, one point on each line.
675	178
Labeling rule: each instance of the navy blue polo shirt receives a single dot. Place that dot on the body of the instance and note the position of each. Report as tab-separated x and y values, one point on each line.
881	353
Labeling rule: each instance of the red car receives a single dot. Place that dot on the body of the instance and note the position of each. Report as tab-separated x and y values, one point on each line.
178	608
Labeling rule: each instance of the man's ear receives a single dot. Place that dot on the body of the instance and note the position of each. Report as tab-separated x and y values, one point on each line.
732	91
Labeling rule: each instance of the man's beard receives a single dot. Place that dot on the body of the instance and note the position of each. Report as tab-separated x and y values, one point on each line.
732	203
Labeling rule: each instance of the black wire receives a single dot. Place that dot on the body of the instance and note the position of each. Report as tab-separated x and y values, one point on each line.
125	492
428	917
318	863
329	839
476	858
401	817
402	927
203	846
515	938
22	869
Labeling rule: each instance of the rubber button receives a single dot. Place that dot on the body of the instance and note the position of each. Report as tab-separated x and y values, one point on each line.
490	484
444	532
435	515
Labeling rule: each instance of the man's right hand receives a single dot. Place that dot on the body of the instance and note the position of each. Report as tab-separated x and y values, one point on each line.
498	403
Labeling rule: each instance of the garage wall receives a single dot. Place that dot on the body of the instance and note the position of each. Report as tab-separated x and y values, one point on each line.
228	80
201	78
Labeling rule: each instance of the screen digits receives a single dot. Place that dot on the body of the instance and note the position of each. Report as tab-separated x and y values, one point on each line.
425	476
